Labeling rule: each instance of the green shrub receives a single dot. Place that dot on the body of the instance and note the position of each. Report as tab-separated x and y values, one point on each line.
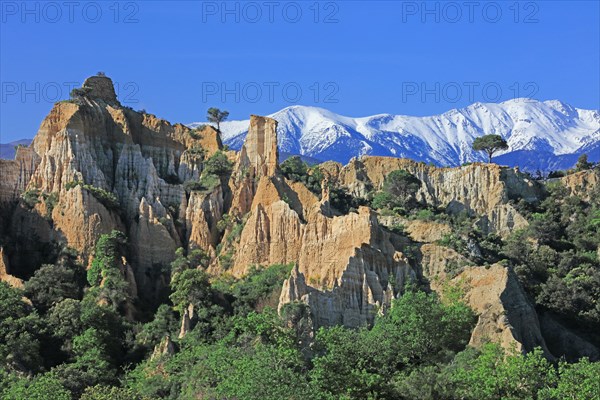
425	215
209	182
341	200
70	185
226	260
190	186
197	151
399	190
453	241
398	229
31	198
225	222
235	232
104	392
297	170
258	284
108	199
50	199
80	92
218	164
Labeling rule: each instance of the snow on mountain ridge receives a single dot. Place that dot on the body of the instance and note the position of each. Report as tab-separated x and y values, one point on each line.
552	127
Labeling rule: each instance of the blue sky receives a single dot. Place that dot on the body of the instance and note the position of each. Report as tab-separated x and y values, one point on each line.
356	58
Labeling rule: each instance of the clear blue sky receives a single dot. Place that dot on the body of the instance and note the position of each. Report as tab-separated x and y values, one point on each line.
356	58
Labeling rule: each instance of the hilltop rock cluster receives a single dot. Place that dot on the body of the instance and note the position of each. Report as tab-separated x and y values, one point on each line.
95	166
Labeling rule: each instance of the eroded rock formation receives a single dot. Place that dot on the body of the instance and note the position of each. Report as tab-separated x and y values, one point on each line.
479	189
96	166
90	149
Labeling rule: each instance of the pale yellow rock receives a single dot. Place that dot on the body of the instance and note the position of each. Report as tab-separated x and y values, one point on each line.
164	348
505	315
80	219
258	158
348	269
582	183
418	230
436	260
481	189
202	213
136	156
153	244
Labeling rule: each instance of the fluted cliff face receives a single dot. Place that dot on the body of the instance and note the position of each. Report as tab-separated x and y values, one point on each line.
17	173
5	275
479	189
346	266
79	220
139	159
583	184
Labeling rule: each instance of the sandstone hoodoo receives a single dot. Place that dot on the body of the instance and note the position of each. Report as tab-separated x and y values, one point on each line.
128	216
100	87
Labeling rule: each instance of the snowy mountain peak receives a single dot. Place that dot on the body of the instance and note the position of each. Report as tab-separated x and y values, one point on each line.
546	131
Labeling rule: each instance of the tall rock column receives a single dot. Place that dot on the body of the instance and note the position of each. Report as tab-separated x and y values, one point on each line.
258	158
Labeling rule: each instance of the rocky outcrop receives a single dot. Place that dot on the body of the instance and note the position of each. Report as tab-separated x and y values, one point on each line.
346	265
505	315
272	232
479	189
416	229
92	146
101	88
96	166
202	213
79	220
186	320
582	184
16	173
153	243
166	347
438	263
259	155
347	269
258	158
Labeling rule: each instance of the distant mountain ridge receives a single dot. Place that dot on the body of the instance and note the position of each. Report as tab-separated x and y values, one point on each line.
547	135
541	135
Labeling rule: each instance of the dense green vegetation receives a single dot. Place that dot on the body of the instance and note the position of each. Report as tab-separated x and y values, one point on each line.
398	192
297	170
416	351
557	261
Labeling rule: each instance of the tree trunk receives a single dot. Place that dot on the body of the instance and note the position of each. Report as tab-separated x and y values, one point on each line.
490	157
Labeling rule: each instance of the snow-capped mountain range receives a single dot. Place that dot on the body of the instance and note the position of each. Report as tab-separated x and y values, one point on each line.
545	135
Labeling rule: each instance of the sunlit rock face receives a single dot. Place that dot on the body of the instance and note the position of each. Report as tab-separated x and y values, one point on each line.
138	158
96	166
